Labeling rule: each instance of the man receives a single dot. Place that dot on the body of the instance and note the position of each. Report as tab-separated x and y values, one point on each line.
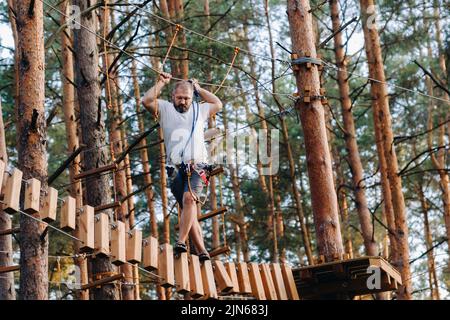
182	122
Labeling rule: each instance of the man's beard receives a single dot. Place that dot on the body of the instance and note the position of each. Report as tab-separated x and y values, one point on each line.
181	108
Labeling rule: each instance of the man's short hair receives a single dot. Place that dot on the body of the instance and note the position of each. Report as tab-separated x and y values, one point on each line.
182	84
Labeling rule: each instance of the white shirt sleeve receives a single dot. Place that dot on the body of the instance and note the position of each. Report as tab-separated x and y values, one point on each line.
163	110
205	110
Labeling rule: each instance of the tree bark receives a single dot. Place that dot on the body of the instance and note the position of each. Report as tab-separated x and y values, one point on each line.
7	289
31	144
93	131
350	136
323	194
380	93
432	276
67	78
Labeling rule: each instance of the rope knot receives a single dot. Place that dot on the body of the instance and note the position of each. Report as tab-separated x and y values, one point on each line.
178	27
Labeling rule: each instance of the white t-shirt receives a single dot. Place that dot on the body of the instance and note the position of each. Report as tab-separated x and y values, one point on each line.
177	128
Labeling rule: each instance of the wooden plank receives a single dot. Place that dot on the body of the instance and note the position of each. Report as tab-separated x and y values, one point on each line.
68	214
289	282
2	172
208	280
50	207
165	266
243	278
107	206
231	270
150	259
223	280
86	229
95	171
101	235
134	246
208	215
213	213
219	251
269	286
277	277
256	281
182	273
12	192
118	244
195	277
32	195
9	231
103	281
9	269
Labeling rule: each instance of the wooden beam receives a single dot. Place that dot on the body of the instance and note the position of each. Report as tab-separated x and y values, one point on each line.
134	246
256	281
32	195
208	215
12	192
231	269
95	171
9	231
213	213
50	207
208	280
86	229
150	248
277	277
289	282
165	268
195	278
182	273
101	234
9	269
219	251
2	173
102	281
68	214
223	280
118	244
269	286
243	278
216	171
107	206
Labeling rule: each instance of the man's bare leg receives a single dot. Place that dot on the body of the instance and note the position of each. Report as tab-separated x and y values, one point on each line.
197	237
188	216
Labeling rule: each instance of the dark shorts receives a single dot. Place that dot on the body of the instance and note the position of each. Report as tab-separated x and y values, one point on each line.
179	184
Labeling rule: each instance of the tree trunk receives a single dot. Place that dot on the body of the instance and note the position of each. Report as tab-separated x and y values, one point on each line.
266	186
144	156
380	93
92	130
439	161
31	144
323	194
211	124
67	78
432	277
7	289
354	159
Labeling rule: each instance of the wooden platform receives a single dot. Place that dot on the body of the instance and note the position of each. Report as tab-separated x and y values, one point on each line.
344	279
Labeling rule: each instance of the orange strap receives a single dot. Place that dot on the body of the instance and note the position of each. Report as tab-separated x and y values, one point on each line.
236	51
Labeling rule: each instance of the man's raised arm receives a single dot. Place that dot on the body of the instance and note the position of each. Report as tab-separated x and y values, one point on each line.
209	97
150	97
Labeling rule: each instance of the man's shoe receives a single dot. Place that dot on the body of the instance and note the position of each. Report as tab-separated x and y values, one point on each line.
180	247
204	256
